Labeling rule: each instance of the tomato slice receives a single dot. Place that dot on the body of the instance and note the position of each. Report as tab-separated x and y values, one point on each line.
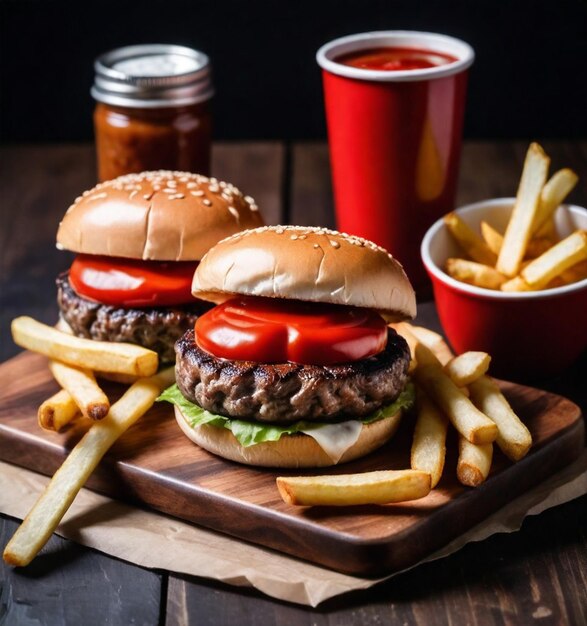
270	330
131	282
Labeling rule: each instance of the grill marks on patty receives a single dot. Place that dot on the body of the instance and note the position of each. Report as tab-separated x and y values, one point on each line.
155	328
288	392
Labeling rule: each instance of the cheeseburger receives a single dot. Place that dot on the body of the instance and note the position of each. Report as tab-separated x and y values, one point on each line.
296	366
138	240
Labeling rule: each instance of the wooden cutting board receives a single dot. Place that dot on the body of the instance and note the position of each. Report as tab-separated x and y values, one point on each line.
155	464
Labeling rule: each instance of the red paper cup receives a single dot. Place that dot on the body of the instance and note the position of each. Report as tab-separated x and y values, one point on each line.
395	139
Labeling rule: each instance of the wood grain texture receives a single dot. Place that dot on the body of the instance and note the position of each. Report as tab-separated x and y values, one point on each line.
69	584
535	576
156	464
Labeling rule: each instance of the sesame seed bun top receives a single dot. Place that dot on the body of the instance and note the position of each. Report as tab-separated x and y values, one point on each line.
161	216
304	263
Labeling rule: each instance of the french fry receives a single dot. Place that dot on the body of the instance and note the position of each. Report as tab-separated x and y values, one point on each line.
474	462
552	195
51	506
57	411
538	246
83	388
461	412
469	240
515	284
467	367
418	334
433	341
519	228
429	442
574	274
122	358
547	231
513	438
474	273
559	258
492	238
383	487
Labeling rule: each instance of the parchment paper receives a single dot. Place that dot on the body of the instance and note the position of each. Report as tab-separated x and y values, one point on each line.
154	540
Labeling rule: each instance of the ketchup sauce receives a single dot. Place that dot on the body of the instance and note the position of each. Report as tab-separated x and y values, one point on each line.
132	282
271	330
395	59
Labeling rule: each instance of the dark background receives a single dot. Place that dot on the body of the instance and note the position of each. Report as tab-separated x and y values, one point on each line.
529	79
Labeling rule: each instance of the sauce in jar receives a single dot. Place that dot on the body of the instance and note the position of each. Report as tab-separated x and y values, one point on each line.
153	110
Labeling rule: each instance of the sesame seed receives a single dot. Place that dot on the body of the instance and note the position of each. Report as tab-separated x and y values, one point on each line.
132	194
316	245
169	191
293	237
249	200
197	193
97	196
147	196
334	244
253	207
191	185
233	212
206	202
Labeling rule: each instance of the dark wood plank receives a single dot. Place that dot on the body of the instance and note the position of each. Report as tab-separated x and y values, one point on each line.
37	185
196	486
534	576
311	188
256	168
69	584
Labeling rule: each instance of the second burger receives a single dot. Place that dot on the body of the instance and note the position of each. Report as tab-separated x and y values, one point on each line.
138	240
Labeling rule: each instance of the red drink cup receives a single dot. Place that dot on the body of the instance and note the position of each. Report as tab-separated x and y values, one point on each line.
395	139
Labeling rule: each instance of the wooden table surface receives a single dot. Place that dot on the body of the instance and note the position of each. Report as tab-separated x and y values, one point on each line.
537	575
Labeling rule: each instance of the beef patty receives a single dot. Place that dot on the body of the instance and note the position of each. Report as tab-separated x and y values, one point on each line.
154	328
288	392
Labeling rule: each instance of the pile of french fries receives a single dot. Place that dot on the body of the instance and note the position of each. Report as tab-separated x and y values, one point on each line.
529	256
449	390
75	362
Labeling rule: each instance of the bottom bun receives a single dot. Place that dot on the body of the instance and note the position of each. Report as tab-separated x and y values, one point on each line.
290	450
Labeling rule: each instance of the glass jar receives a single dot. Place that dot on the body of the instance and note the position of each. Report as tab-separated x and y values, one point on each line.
153	110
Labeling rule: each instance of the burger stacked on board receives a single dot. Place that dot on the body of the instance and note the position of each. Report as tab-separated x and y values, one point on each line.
138	240
296	365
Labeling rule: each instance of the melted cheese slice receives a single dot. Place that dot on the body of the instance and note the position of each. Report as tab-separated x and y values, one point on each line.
336	439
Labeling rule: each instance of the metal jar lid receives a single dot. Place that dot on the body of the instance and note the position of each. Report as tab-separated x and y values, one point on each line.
152	76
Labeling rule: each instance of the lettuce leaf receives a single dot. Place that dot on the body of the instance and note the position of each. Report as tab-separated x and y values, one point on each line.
251	433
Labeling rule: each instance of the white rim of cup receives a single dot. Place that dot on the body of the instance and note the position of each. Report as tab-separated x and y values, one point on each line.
408	38
491	294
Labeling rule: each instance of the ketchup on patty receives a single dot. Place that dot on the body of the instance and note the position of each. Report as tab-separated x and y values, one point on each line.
271	330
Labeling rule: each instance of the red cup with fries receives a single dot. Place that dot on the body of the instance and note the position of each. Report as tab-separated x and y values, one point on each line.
394	107
530	334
